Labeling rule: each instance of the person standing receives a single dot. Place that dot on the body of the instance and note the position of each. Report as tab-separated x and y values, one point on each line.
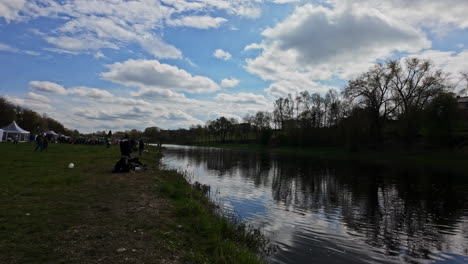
141	146
38	143
45	144
125	147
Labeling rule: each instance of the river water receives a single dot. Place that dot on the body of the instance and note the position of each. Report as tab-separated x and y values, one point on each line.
320	211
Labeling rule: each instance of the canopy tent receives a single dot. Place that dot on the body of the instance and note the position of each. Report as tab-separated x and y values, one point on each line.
15	131
51	133
1	135
63	136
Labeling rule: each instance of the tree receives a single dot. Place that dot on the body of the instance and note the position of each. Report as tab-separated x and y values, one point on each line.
7	112
262	120
372	90
414	83
441	118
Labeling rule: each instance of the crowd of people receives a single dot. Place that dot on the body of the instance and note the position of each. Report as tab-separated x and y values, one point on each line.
42	143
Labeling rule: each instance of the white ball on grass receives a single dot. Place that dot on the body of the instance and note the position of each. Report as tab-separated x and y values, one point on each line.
71	165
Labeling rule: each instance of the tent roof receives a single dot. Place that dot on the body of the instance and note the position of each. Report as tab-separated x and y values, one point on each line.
14	128
51	132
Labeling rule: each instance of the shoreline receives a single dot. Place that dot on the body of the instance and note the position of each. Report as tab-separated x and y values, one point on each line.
451	160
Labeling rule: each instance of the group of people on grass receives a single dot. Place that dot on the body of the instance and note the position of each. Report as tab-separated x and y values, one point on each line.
126	162
42	143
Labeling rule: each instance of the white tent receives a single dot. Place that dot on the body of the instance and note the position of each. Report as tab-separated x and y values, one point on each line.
1	135
15	131
51	133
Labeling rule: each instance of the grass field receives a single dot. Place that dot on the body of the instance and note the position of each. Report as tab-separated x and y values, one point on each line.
52	214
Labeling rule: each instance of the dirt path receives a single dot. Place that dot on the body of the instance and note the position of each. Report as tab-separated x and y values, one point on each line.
121	224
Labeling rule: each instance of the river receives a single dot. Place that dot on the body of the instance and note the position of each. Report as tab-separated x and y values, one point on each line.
321	211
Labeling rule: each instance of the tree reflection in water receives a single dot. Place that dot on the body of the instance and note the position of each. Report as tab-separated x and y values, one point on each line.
412	214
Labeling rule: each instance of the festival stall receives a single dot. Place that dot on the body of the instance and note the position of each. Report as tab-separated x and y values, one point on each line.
12	131
52	135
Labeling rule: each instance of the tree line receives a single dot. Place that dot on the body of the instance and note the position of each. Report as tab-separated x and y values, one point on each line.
30	120
399	103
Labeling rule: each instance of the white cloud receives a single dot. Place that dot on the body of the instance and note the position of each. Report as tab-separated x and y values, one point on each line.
317	43
448	61
242	98
10	9
284	1
160	94
153	74
38	98
80	43
4	47
432	13
221	54
47	87
253	46
201	22
89	92
230	82
99	55
30	103
8	48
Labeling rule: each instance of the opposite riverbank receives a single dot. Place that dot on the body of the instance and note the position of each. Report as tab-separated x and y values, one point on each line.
446	159
52	214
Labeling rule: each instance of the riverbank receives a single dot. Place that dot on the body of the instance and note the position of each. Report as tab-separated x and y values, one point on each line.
52	214
454	160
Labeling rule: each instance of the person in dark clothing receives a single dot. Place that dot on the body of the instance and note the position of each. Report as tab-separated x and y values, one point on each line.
125	147
45	144
141	146
125	151
38	143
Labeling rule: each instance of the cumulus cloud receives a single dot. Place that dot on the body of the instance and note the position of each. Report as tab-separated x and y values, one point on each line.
242	98
449	61
432	13
47	87
221	54
89	92
161	94
86	26
10	10
38	98
230	82
318	43
30	103
201	22
153	74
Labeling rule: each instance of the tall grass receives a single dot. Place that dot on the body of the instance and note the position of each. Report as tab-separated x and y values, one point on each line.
223	238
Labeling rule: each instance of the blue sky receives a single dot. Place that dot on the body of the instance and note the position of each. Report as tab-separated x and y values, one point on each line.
119	64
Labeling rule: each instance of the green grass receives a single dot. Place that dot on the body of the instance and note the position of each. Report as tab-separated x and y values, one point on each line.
213	238
41	198
37	197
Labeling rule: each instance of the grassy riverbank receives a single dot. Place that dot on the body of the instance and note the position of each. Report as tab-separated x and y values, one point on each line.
52	214
456	160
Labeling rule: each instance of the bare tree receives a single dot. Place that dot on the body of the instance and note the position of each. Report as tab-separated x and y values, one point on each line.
414	83
372	89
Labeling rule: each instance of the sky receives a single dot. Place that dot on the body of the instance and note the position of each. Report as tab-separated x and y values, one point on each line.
97	65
